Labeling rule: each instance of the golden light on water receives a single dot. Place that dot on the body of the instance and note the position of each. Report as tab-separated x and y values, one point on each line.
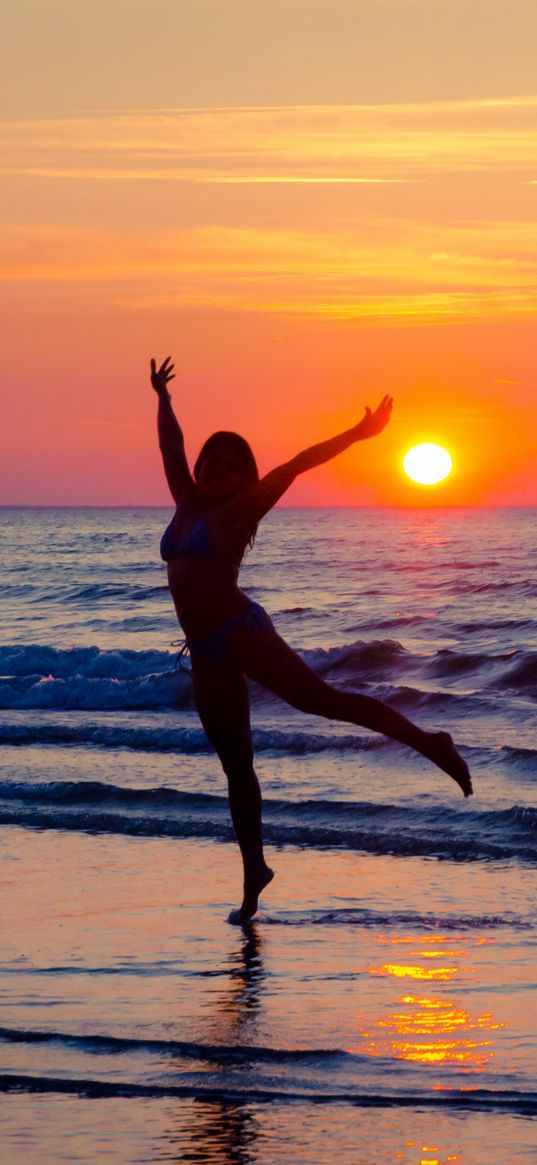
427	464
429	1028
406	971
432	1030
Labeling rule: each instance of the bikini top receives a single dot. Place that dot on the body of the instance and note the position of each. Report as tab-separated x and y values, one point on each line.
198	542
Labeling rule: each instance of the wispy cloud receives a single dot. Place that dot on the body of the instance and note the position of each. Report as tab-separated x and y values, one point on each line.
279	144
208	178
377	264
409	272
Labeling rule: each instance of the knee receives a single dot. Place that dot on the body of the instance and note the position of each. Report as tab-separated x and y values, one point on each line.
314	699
243	790
240	777
238	765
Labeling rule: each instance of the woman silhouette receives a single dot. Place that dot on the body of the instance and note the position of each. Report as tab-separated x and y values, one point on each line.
219	507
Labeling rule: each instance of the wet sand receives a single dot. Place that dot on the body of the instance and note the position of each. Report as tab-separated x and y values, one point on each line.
364	1015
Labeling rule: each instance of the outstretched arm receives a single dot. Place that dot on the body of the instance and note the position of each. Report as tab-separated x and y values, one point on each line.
170	436
274	484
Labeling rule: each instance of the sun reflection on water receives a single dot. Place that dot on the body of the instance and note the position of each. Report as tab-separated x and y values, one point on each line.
428	1029
407	971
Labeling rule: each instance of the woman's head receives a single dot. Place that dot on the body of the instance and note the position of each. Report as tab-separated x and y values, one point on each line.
225	465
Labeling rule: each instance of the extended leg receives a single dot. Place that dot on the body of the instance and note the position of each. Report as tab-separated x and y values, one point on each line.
266	658
223	706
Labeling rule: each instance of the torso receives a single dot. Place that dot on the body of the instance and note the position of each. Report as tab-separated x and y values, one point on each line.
203	551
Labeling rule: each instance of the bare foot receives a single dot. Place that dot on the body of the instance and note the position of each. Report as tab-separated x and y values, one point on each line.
443	753
252	890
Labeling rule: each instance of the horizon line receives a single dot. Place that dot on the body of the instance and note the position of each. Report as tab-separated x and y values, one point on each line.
355	506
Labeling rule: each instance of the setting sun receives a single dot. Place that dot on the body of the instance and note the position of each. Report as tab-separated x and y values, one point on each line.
427	464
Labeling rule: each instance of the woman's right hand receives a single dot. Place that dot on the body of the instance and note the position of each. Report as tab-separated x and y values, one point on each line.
374	422
161	376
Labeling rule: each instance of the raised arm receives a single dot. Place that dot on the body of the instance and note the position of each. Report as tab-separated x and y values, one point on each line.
271	487
170	437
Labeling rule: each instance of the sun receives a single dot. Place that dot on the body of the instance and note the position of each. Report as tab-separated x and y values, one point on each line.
427	464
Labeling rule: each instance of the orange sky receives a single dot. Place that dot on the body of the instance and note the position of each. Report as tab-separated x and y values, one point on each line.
308	209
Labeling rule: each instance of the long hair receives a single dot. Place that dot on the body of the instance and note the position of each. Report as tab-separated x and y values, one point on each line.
244	455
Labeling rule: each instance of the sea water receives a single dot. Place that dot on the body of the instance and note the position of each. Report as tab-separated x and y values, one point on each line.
381	1007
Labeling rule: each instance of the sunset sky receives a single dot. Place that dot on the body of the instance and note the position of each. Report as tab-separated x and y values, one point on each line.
308	203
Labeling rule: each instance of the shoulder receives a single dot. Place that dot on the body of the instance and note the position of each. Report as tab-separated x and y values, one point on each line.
269	489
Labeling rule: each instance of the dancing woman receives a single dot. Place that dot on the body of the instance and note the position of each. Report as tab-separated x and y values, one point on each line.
219	507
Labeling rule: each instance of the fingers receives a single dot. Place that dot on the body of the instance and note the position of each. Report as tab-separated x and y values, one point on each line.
164	373
164	366
385	405
384	409
162	377
374	422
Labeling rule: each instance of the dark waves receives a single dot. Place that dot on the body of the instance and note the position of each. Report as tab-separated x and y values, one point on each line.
401	919
213	1053
456	834
244	1073
185	740
466	1100
41	677
189	739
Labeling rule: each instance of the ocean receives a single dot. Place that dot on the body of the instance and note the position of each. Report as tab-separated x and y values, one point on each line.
381	1007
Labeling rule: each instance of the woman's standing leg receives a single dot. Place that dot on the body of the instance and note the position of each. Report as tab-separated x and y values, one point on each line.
224	709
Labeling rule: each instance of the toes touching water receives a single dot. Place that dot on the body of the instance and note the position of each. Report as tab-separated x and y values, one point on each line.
252	890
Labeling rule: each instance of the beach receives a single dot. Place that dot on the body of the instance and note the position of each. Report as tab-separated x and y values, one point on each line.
380	1008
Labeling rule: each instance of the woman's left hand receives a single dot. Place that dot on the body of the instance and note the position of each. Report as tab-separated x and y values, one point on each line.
160	377
374	422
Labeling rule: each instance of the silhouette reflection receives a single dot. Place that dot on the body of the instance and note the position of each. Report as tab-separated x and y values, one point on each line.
225	1132
213	1134
247	974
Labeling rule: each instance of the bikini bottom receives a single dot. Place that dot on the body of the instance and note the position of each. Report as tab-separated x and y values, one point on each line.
215	648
